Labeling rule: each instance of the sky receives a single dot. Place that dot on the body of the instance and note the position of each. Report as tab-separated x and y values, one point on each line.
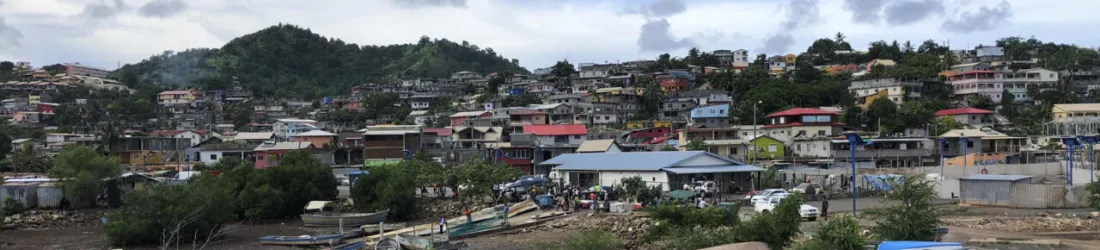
107	33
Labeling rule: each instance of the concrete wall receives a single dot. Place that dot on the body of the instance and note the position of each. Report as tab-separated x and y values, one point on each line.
1040	196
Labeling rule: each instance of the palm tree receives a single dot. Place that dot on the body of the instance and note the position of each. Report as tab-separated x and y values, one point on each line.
108	134
28	159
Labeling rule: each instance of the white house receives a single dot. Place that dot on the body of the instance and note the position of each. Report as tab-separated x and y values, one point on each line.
667	169
282	126
195	136
564	134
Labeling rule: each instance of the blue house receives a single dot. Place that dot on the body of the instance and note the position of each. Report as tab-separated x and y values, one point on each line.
711	116
668	169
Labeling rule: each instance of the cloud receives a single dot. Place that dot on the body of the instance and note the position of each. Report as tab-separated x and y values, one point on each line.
911	11
417	4
9	36
655	36
103	9
659	9
865	11
777	44
162	8
801	14
986	18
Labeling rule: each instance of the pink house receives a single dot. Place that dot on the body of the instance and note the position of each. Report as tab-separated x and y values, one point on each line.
268	154
459	119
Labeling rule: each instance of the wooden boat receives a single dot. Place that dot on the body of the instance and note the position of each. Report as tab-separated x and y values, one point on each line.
435	241
325	219
357	245
387	244
330	239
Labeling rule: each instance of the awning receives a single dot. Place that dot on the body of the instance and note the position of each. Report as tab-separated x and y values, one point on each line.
380	162
714	169
317	205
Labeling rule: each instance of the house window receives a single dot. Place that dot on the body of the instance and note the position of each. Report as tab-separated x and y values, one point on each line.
576	137
969	144
798	147
522	154
213	157
561	138
260	157
772	148
821	132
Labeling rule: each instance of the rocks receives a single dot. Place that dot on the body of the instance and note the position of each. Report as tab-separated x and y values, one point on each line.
1056	223
54	218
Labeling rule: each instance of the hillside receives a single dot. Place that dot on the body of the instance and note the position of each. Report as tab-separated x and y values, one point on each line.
286	60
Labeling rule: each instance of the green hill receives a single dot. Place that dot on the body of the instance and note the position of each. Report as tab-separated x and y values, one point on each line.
286	60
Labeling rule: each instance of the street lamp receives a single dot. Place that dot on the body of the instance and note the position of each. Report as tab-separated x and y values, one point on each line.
943	143
1071	142
1092	140
853	141
754	128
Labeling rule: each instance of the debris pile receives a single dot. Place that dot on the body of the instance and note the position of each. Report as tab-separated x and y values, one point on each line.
1056	223
54	218
630	229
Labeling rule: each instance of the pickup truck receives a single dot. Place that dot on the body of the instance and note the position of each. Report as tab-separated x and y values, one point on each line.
764	205
756	197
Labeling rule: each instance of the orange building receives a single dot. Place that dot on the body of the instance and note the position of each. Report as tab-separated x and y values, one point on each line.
317	138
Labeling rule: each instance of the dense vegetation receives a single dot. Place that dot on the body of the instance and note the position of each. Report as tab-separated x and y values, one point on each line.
286	60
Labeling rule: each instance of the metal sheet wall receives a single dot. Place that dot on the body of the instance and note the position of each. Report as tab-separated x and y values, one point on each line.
49	195
27	193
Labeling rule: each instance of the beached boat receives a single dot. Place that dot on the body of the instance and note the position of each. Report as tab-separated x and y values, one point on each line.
330	239
328	219
387	244
415	242
357	245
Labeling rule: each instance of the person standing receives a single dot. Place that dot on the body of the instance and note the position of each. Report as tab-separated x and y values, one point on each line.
469	217
702	203
442	223
825	207
595	201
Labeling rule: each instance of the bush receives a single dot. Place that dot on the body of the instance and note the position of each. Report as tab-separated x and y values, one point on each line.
276	192
635	188
169	214
591	240
13	206
686	227
775	228
82	172
914	215
387	187
840	233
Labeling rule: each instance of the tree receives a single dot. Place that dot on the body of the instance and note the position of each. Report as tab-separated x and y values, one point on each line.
652	98
981	102
197	213
5	142
299	178
1008	105
477	178
83	172
945	124
634	188
917	114
562	69
696	145
28	159
914	215
853	116
108	134
840	233
775	228
882	116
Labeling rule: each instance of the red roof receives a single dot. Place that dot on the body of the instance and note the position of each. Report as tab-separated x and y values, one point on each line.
439	131
962	111
802	111
564	129
795	124
176	132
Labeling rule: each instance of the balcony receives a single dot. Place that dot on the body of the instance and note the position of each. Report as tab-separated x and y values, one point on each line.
883	153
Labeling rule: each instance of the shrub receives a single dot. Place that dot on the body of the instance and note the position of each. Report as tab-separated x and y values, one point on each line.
635	188
387	187
277	192
13	206
776	228
914	215
840	233
589	240
83	172
169	214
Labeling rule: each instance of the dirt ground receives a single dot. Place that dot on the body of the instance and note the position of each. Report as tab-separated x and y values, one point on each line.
515	241
241	236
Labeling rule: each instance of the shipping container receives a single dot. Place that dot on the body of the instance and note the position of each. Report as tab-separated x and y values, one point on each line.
49	195
27	193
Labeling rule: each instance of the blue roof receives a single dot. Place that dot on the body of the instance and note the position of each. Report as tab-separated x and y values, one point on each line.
713	111
714	169
996	177
904	245
630	161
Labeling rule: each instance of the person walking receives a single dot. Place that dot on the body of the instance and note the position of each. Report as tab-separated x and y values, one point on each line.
442	223
469	217
595	201
825	207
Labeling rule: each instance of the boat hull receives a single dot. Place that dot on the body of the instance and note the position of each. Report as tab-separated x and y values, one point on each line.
331	239
343	219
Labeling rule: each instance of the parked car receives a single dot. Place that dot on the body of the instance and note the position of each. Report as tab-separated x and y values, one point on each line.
764	194
707	187
808	188
806	211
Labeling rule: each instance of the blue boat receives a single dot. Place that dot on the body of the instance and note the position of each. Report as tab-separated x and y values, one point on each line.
358	245
919	245
330	239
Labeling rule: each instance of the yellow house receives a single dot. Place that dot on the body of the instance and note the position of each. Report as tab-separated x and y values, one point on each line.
648	124
176	97
1066	111
865	101
791	59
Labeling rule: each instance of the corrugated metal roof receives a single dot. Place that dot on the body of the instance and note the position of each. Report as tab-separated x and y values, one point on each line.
714	169
254	135
592	146
997	177
627	161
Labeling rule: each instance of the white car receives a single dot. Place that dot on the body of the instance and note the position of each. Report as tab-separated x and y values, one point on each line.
806	211
705	187
765	194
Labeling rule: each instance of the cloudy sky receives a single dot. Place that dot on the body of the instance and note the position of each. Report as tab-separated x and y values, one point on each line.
537	32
